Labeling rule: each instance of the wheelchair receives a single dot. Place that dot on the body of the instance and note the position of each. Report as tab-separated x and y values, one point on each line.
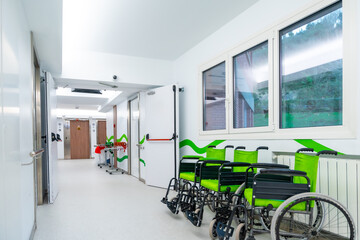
186	184
218	179
284	203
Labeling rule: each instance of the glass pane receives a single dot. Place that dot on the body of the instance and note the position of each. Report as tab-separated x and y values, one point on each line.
251	90
214	98
311	71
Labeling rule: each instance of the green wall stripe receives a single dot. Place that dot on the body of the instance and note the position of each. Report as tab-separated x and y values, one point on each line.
109	139
142	140
188	142
123	158
142	162
122	137
315	145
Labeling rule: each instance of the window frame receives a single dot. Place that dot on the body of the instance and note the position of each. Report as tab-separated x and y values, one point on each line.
348	129
203	68
267	36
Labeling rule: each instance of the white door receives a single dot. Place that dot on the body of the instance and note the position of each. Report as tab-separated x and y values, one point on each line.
134	138
52	145
161	149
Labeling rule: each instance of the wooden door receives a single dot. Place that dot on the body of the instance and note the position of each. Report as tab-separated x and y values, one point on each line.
79	139
101	132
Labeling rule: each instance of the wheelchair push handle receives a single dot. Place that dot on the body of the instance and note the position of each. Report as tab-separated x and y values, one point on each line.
262	148
305	150
240	147
328	152
191	157
228	146
211	146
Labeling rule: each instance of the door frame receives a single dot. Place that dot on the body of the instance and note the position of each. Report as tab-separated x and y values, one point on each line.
129	136
36	128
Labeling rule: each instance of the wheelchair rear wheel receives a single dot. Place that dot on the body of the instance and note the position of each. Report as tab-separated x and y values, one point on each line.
326	219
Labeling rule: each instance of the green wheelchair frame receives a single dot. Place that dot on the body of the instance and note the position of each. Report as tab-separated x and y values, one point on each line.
188	177
215	186
285	193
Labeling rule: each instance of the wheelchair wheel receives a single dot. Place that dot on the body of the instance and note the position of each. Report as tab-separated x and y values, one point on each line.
212	229
210	200
327	219
240	232
235	199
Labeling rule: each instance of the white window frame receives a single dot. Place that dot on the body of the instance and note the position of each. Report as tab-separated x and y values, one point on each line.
348	130
267	36
204	67
326	132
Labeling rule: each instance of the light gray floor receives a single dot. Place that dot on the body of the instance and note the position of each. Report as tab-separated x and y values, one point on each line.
95	205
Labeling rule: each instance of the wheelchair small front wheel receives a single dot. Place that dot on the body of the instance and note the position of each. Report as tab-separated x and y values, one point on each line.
299	217
212	229
240	232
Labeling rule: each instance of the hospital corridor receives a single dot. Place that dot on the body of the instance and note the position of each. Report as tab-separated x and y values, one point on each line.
179	120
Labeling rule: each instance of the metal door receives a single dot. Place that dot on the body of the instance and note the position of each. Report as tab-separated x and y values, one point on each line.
134	137
67	146
161	148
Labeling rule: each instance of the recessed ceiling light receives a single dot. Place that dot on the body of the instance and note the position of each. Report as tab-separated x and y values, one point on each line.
67	92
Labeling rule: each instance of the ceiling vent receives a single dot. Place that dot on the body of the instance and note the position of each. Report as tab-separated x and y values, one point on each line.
82	90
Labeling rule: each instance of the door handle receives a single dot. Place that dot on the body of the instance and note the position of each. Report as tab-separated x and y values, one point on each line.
35	153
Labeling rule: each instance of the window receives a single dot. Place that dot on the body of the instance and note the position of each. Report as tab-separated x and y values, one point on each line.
214	95
251	88
287	82
311	70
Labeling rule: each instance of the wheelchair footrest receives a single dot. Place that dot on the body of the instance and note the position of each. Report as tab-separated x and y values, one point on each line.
224	231
173	207
164	200
194	218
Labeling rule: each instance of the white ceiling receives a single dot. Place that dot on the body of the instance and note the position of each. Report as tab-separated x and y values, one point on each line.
157	29
161	29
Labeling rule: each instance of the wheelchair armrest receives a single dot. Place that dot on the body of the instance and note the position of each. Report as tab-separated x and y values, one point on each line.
286	172
268	165
212	161
328	152
262	148
236	164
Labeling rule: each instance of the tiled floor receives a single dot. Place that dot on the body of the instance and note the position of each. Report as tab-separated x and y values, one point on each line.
94	205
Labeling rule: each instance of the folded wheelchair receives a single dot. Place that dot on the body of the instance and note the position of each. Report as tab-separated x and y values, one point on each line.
284	203
189	173
218	179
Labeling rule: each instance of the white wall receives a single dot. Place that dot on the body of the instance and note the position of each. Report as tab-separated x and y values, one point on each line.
16	181
122	130
254	20
109	125
101	67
